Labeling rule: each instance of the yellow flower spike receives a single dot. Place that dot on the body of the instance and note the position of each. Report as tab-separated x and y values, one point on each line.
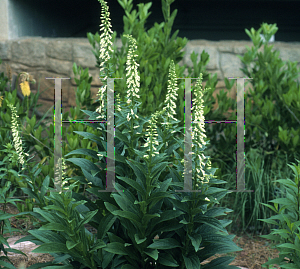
25	88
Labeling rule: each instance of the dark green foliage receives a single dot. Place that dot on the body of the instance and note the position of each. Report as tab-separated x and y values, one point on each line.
287	236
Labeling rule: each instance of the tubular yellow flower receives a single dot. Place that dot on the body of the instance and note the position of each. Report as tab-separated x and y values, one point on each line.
25	88
1	99
171	97
151	132
16	138
198	133
105	50
132	76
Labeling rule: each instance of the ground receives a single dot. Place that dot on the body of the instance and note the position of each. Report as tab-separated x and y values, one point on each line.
255	252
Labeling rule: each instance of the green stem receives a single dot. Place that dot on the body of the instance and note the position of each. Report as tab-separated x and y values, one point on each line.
27	106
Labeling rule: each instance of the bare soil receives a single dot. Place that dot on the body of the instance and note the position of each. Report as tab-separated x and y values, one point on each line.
256	250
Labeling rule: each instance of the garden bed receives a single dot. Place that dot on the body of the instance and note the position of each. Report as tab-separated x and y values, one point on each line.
256	250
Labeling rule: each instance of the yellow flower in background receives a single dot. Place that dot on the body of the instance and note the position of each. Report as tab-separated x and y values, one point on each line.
1	99
25	88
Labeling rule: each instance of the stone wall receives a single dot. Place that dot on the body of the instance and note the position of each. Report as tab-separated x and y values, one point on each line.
54	57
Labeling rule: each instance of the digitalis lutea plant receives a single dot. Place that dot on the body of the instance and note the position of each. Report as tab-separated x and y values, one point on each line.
148	205
140	235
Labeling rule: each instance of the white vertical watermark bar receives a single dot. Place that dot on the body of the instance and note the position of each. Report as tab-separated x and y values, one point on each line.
240	153
57	136
188	162
110	174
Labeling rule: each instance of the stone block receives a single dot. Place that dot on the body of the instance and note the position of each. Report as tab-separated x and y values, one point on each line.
47	87
83	55
71	96
290	54
61	50
239	50
230	64
5	53
30	52
46	105
60	67
225	48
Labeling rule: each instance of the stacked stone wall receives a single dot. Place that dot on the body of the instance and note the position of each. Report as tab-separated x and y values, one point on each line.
54	57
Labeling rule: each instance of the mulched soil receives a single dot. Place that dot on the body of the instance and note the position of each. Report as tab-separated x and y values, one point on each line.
256	250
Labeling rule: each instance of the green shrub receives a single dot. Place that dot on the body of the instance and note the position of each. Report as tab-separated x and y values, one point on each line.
288	216
266	125
275	113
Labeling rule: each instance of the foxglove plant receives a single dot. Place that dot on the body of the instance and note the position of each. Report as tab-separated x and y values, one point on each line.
146	205
146	223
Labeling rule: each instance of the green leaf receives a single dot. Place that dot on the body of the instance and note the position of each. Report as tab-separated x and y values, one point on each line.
99	244
83	164
165	243
7	265
117	248
121	137
148	217
51	248
87	152
110	207
212	222
148	81
167	260
91	39
196	240
105	224
191	262
71	245
157	196
128	215
295	140
87	218
289	245
133	184
167	215
75	71
138	240
269	221
138	169
90	136
157	91
160	167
